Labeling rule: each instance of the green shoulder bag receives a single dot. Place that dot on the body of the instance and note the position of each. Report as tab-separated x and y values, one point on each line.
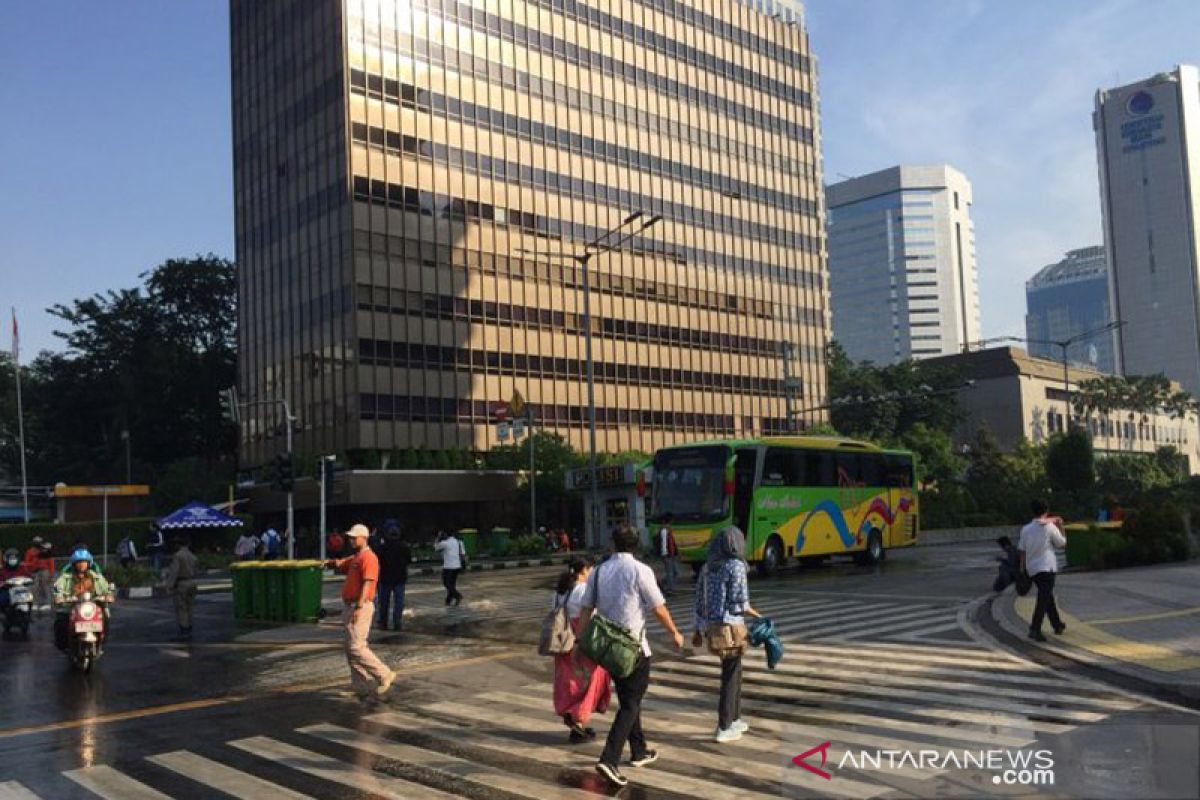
608	644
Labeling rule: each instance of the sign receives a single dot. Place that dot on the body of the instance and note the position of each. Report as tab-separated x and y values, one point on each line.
500	413
1143	130
134	490
518	427
606	476
516	405
503	430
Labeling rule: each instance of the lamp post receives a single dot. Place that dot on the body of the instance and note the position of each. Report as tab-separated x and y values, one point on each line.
633	225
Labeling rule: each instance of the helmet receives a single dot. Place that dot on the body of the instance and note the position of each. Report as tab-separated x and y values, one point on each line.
81	555
12	557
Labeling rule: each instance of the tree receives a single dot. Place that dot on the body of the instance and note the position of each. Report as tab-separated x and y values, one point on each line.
1071	471
554	457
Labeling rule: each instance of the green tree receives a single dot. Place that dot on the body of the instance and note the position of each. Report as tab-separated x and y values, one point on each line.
1071	471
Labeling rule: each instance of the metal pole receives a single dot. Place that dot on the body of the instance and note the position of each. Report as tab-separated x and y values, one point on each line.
128	457
20	418
104	555
291	514
532	474
591	396
321	528
1066	383
787	387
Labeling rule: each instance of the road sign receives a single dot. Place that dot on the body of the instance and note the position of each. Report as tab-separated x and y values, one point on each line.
500	413
518	428
503	430
516	405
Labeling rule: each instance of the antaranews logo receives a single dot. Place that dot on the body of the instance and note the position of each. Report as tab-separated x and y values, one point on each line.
1009	766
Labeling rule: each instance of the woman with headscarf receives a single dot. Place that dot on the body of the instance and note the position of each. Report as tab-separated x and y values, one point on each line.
722	603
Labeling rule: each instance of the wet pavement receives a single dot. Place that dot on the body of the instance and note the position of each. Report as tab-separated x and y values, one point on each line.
877	659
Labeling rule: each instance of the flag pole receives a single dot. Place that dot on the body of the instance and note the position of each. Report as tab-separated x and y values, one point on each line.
20	415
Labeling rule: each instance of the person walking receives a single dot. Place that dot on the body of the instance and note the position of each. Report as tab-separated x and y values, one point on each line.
180	581
1037	543
668	551
272	544
722	603
155	548
453	552
358	599
394	558
624	590
247	546
127	552
581	687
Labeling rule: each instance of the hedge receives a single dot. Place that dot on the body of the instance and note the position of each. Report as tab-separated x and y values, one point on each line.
63	535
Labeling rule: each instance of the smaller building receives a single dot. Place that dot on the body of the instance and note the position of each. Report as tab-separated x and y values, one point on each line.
620	495
1019	396
1066	300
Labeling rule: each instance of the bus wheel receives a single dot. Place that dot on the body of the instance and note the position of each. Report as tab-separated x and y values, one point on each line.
773	557
875	553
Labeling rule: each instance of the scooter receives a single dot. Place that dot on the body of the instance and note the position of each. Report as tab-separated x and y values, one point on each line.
18	609
87	626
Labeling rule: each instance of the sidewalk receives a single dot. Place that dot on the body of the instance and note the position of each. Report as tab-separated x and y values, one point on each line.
1140	623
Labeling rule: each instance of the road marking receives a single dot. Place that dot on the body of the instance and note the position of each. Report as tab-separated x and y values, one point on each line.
193	705
458	769
216	775
11	790
1147	617
112	785
357	776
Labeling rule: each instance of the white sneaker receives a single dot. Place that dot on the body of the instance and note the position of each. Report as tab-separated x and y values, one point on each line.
386	685
739	726
731	734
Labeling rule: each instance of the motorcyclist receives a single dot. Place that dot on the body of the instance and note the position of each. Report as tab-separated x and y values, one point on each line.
83	577
11	567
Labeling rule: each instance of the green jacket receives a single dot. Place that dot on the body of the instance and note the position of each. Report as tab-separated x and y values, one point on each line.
64	587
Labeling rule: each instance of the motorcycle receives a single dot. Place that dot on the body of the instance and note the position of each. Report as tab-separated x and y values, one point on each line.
18	606
87	626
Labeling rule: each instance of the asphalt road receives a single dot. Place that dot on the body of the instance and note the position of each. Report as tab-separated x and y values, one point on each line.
879	658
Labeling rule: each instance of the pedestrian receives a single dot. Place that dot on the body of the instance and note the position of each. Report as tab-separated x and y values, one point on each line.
394	558
722	604
127	552
247	546
581	687
668	551
453	554
624	590
155	547
181	583
1010	565
1038	560
358	599
564	543
272	545
335	544
39	562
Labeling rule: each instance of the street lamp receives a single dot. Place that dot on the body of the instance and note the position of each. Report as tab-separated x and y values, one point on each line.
633	225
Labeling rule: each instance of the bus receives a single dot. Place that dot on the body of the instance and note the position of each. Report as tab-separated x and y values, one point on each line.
804	497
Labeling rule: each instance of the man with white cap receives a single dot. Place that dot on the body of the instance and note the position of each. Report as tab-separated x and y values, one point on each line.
358	596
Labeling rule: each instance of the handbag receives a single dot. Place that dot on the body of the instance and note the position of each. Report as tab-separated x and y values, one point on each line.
557	638
724	640
1024	583
608	644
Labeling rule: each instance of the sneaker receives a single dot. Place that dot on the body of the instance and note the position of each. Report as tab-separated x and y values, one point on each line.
730	734
738	725
611	772
1037	636
386	685
645	759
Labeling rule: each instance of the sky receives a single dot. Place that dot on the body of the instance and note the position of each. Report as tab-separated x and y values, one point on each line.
117	152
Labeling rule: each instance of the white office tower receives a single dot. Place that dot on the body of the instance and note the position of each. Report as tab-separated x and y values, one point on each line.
1148	143
902	276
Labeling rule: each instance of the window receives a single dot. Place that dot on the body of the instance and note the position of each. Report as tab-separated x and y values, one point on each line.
819	469
781	467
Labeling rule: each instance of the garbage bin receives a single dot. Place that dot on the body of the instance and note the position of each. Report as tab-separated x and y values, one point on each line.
276	609
470	540
242	573
501	541
1082	541
257	578
302	583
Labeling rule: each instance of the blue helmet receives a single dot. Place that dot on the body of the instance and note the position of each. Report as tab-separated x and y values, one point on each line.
82	555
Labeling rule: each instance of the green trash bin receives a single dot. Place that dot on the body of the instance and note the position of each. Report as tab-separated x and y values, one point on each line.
276	609
304	583
257	579
242	574
501	541
470	541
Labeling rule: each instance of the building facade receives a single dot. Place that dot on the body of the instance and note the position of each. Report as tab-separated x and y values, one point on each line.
1148	143
902	274
1019	396
412	180
1068	300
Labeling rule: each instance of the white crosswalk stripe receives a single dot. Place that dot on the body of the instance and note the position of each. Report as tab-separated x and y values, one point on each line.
226	779
113	785
11	790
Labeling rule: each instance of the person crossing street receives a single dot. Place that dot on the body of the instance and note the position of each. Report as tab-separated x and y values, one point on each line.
181	583
358	598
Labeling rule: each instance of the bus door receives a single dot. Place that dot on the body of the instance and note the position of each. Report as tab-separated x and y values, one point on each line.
745	470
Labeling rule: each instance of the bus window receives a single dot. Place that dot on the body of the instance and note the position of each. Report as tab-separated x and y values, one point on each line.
871	469
780	468
744	468
899	469
819	469
848	470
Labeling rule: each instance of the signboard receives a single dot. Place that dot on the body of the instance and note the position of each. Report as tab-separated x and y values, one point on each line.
1144	128
606	476
516	406
500	413
503	430
127	490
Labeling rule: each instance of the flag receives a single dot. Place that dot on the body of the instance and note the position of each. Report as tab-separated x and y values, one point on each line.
16	351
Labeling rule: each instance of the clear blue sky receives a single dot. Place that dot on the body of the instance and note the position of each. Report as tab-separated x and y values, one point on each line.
116	151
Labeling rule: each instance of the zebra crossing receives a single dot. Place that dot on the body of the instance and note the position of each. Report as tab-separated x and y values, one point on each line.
503	741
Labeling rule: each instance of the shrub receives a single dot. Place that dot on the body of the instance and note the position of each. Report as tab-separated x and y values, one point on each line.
1152	534
529	545
214	560
130	577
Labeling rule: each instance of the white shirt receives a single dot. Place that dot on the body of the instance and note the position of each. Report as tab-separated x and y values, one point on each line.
451	550
662	541
574	600
623	589
1037	542
246	545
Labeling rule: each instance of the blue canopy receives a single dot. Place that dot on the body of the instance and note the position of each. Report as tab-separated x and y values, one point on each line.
197	515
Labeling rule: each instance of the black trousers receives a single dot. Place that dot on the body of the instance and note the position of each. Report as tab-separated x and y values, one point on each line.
450	581
730	707
1045	606
627	727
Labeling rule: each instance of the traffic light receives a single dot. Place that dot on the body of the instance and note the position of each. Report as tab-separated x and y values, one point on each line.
327	471
229	405
283	474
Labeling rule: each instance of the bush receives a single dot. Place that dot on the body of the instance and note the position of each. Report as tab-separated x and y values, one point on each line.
529	545
214	560
1152	534
130	577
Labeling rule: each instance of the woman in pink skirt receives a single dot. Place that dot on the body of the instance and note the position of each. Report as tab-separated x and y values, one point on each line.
581	688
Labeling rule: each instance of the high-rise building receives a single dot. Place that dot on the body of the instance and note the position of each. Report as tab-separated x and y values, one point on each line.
1066	301
413	178
1148	143
902	274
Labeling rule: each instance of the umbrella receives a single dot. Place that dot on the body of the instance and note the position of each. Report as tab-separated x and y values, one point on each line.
197	515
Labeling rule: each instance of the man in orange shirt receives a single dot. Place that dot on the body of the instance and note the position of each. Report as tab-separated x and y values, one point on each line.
358	597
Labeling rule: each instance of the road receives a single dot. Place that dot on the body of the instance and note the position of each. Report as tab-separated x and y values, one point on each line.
877	658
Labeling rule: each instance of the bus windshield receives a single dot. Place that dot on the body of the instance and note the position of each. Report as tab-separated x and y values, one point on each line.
689	483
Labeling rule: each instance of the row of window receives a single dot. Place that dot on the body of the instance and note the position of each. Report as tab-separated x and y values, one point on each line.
726	30
441	306
566	185
423	50
784	466
384	353
428	204
539	133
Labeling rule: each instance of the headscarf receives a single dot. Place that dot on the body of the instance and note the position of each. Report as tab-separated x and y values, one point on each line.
728	544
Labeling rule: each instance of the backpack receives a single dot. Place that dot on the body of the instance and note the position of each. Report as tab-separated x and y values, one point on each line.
556	638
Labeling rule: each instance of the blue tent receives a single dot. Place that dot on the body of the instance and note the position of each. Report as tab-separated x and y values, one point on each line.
197	515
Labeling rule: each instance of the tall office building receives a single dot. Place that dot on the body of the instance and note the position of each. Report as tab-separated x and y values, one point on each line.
1148	143
902	274
412	179
1066	301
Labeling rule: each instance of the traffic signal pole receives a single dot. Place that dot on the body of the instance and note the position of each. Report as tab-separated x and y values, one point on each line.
233	414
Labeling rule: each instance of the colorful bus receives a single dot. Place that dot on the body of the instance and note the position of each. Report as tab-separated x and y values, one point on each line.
793	496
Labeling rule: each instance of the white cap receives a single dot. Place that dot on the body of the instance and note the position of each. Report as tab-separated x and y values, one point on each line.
359	530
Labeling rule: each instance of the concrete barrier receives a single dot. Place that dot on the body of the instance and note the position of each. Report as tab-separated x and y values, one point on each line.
960	535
